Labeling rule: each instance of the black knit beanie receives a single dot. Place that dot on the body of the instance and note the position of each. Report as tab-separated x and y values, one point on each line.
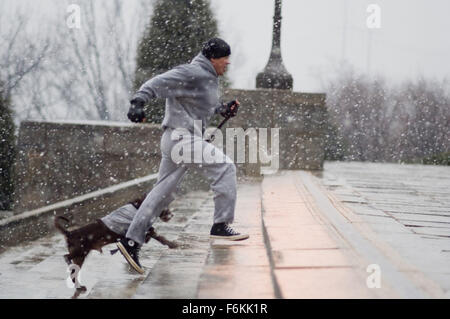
216	48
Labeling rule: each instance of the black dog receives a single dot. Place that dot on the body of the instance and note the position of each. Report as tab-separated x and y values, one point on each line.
96	235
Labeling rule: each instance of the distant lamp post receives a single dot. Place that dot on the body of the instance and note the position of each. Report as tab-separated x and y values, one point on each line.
275	75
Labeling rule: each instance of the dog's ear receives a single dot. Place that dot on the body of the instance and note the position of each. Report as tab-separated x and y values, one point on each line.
137	202
166	215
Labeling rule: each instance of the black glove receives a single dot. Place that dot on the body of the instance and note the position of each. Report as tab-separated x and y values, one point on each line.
136	112
230	112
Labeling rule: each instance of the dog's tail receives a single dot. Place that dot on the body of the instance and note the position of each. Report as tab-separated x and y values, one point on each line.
59	220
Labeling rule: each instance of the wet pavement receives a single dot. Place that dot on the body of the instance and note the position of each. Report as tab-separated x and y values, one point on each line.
310	260
406	208
38	270
312	235
199	268
240	269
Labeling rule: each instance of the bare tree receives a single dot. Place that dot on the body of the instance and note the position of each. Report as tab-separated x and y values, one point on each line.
377	123
95	72
81	73
357	106
426	119
20	54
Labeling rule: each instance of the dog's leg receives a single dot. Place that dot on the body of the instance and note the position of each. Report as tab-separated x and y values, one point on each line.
79	260
163	240
67	259
149	234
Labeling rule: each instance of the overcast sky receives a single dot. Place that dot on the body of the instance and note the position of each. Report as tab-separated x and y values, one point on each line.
414	38
318	34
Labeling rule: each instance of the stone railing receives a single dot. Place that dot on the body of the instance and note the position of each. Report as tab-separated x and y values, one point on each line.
61	160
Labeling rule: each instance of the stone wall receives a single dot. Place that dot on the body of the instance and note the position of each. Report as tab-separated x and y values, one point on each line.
61	160
301	118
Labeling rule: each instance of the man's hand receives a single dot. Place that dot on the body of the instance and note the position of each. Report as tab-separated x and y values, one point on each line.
136	112
231	109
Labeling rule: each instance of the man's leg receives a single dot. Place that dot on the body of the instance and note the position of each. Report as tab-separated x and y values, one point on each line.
158	199
223	183
223	178
120	219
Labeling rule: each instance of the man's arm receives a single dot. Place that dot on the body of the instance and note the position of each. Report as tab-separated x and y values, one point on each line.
174	83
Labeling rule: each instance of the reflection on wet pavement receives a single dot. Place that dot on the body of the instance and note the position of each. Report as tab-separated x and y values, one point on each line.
407	206
105	276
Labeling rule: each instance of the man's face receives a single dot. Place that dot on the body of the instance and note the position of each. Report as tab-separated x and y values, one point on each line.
220	64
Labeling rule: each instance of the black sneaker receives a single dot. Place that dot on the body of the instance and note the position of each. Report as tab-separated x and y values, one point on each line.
223	231
130	250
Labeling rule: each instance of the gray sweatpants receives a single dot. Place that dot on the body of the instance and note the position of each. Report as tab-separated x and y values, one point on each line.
119	220
222	175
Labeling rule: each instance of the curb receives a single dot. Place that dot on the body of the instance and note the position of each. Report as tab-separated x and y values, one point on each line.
276	286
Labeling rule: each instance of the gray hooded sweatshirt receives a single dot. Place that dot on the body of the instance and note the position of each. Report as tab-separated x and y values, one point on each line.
191	92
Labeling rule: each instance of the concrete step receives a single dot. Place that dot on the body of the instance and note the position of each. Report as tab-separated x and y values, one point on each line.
309	259
240	269
207	268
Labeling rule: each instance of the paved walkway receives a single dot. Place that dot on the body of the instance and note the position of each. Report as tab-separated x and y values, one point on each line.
406	211
310	260
311	236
